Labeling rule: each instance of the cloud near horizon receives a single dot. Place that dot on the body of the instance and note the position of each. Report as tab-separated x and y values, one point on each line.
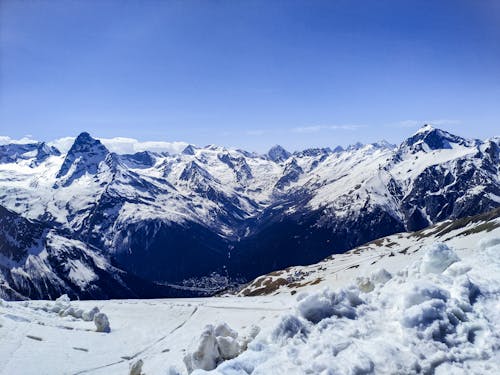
125	145
120	145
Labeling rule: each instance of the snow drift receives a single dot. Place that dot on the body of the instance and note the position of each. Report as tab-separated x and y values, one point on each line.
439	315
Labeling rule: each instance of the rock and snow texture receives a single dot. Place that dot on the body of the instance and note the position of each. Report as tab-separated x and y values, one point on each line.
391	253
240	214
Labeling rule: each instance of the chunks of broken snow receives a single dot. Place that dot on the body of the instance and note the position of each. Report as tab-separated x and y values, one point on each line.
439	315
215	345
62	306
377	278
101	322
437	258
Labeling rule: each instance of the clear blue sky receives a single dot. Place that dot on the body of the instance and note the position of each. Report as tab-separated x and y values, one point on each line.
249	73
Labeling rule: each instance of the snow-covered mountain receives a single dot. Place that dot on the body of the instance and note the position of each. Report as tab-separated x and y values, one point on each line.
167	218
37	261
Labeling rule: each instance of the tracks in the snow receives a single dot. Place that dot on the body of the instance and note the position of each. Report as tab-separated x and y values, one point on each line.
128	358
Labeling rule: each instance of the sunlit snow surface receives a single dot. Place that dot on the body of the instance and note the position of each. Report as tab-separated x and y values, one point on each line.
437	312
440	315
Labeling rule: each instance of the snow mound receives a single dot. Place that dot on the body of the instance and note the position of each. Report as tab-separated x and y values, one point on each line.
88	316
62	306
368	284
215	345
438	316
437	258
328	303
101	322
136	367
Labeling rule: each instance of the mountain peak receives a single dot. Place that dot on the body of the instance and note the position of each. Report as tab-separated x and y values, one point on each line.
425	129
429	138
278	154
84	136
383	144
85	142
356	146
189	150
84	156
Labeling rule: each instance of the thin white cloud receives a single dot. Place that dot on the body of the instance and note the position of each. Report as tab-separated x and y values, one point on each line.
124	145
62	144
318	128
4	140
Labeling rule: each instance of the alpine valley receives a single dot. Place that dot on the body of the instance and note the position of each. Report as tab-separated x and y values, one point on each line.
96	225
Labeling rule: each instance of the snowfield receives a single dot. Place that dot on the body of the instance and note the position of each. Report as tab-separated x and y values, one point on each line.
434	308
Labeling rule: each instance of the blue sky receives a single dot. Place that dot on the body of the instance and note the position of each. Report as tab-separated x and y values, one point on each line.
249	74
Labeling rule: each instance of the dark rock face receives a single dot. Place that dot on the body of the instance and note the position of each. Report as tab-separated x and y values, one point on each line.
444	193
433	139
18	235
239	166
305	239
13	152
144	159
41	263
291	174
189	150
278	154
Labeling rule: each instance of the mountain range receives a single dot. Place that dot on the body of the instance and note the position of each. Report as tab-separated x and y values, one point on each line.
96	224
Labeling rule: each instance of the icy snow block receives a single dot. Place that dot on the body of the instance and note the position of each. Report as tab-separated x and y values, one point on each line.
380	276
327	303
229	348
437	258
63	300
422	292
368	284
88	316
249	337
457	269
101	322
365	284
206	353
316	307
136	368
425	314
224	330
288	327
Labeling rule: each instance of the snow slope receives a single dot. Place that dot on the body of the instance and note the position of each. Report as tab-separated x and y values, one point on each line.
434	310
437	316
391	253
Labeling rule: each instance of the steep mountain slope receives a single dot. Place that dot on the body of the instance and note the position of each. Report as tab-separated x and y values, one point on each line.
37	262
391	253
168	218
